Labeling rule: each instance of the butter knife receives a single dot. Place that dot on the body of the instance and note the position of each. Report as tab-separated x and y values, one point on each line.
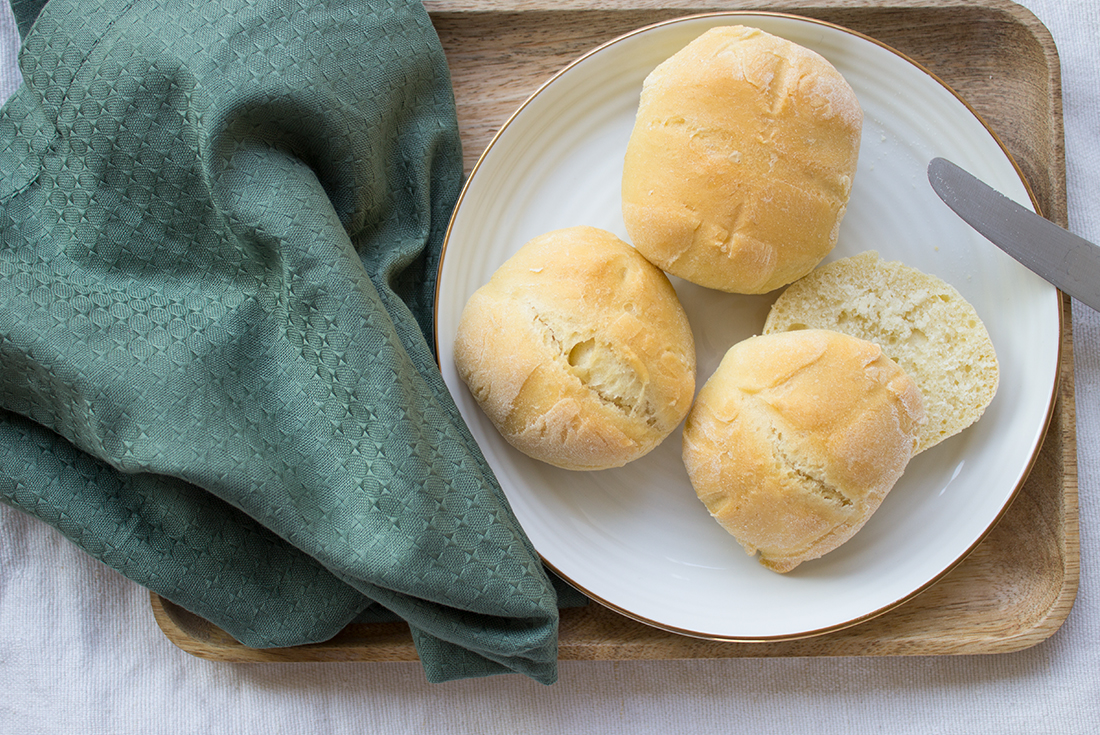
1069	262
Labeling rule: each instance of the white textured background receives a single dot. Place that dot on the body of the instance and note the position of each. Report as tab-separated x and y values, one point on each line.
80	652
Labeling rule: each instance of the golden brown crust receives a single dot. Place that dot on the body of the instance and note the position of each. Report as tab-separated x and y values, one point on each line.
740	164
795	440
578	351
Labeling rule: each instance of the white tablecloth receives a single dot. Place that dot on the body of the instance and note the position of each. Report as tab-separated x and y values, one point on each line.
80	652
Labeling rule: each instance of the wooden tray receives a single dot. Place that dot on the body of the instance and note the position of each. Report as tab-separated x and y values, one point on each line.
1018	585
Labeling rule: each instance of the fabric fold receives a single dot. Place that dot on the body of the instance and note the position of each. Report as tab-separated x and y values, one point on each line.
217	267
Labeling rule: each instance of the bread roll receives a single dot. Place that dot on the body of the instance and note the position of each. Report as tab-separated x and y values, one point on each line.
921	322
740	163
795	440
578	351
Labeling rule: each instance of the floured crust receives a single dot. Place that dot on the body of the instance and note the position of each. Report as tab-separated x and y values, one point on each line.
923	323
578	351
740	164
795	440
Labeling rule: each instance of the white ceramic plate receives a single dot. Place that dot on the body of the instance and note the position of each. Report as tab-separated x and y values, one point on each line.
637	538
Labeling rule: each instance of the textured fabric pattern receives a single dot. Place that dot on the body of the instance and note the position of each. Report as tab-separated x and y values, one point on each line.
219	226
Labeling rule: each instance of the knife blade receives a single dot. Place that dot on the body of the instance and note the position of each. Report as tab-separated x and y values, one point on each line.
1062	258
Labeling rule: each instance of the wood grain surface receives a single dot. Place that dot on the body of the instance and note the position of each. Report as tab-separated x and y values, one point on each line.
1016	588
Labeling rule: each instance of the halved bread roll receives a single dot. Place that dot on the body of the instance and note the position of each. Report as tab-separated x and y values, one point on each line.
921	322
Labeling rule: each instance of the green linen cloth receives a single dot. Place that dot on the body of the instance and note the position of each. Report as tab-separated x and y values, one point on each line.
220	222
